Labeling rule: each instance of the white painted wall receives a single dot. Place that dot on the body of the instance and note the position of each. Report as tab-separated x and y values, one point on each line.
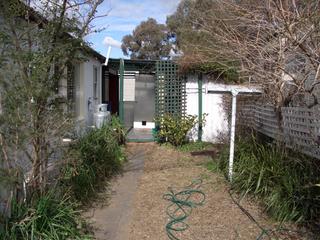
149	125
216	120
85	101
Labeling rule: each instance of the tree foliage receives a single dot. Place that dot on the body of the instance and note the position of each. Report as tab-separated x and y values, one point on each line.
35	52
149	40
274	43
185	27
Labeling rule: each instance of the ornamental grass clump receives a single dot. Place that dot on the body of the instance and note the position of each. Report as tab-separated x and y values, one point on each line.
287	182
50	216
95	157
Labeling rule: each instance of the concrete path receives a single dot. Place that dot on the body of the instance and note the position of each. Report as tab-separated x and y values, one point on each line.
112	222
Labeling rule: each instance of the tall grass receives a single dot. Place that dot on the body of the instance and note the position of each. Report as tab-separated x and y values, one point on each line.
53	215
47	217
284	180
94	157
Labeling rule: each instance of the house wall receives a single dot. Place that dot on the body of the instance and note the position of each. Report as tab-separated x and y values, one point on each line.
83	94
83	86
85	101
105	85
216	119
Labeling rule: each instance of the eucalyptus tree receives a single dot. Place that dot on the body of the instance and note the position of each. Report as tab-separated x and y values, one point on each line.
149	40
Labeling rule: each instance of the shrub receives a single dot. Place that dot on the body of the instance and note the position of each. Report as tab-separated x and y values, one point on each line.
174	129
284	180
118	130
48	217
94	157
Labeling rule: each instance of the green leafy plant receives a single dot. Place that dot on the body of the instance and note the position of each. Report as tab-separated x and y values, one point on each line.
284	180
94	157
118	129
212	166
174	128
48	217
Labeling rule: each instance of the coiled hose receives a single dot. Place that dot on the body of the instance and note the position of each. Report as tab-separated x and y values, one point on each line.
181	206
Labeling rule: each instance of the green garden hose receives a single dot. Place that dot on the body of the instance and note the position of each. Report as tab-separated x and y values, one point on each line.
181	206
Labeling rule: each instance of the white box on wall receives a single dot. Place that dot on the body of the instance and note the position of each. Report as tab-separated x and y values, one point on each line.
129	88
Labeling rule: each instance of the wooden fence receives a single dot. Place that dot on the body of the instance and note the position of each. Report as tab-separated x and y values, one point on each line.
299	127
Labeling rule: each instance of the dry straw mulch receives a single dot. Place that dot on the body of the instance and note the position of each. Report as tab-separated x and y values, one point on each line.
218	219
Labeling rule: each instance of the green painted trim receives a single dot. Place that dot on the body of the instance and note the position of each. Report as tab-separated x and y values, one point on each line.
200	83
121	82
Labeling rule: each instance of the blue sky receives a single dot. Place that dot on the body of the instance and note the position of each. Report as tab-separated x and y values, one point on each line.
123	17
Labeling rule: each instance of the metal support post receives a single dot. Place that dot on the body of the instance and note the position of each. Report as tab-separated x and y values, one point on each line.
200	83
121	80
232	132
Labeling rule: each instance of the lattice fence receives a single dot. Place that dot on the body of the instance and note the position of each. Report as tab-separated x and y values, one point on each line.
170	89
299	127
266	121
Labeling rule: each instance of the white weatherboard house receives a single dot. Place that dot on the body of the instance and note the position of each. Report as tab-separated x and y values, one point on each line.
84	88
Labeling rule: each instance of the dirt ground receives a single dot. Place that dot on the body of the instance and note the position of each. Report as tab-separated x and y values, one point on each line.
145	217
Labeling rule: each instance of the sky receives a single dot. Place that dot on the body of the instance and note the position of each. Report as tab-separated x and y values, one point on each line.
123	17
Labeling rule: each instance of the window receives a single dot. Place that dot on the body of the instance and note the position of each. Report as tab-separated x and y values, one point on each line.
95	82
70	83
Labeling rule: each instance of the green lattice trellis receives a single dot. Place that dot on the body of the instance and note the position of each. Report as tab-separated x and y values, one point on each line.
170	90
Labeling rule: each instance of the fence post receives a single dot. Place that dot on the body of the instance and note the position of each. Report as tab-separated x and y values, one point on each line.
232	132
200	83
121	80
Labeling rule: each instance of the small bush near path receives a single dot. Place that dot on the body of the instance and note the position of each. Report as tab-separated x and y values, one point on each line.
285	181
174	128
94	157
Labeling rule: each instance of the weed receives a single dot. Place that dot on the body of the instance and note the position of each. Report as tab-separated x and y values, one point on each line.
212	166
